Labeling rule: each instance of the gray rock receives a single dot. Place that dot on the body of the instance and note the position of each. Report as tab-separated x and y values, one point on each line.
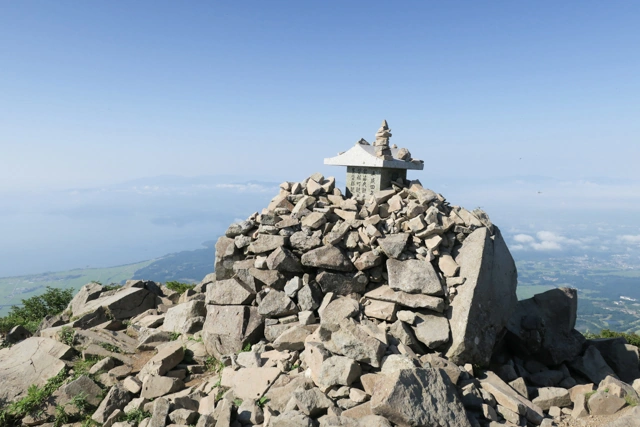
542	327
337	310
309	297
267	243
282	259
312	402
206	420
338	370
304	242
183	416
510	399
368	260
592	365
393	245
178	316
250	413
30	362
160	413
267	278
228	328
328	257
431	329
552	396
276	304
490	282
166	359
17	334
418	397
623	358
239	228
292	339
226	254
451	369
123	304
342	283
292	419
603	403
385	293
229	292
88	292
630	419
116	398
155	386
293	286
353	341
413	276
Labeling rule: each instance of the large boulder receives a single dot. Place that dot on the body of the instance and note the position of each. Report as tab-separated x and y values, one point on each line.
484	304
418	397
31	362
177	317
123	304
87	293
621	357
542	327
229	327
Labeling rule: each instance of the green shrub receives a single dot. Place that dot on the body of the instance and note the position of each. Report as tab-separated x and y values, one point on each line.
34	309
66	335
179	287
632	338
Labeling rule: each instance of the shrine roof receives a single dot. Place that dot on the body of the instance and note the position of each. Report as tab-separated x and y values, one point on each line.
365	155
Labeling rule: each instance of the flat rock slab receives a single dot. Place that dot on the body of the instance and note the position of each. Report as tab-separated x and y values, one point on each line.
124	304
385	293
418	397
32	361
414	276
329	257
249	383
229	327
510	399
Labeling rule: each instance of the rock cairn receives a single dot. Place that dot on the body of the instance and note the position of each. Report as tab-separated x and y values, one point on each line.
325	311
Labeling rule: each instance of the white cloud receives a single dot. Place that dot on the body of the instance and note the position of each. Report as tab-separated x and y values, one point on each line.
630	239
546	245
523	238
517	247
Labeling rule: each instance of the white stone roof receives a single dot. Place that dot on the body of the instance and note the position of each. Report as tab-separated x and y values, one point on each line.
365	155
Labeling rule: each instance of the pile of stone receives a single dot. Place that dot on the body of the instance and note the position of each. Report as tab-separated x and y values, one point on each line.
325	311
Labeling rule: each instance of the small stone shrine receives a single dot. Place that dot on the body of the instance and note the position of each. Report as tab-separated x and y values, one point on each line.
371	168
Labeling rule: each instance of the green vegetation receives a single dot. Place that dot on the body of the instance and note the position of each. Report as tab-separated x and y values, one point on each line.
262	401
111	287
110	347
213	365
35	397
246	348
237	402
136	416
174	336
34	309
630	400
632	338
66	335
179	287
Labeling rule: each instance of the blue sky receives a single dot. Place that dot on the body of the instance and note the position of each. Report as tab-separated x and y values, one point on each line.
93	93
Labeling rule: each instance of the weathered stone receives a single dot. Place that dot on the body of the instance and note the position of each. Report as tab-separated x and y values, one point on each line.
282	259
116	398
509	398
418	397
393	244
177	317
603	403
451	369
268	278
342	283
338	370
490	282
337	310
382	310
292	419
133	385
229	292
592	365
629	419
314	220
305	242
552	396
155	386
405	335
249	383
368	260
183	416
352	341
542	327
623	358
276	304
123	304
239	228
385	293
250	413
166	359
88	292
431	329
30	362
159	413
292	339
448	266
309	297
225	255
267	243
329	257
312	402
17	334
229	328
413	276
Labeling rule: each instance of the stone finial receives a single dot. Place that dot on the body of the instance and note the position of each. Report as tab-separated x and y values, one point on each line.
382	135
